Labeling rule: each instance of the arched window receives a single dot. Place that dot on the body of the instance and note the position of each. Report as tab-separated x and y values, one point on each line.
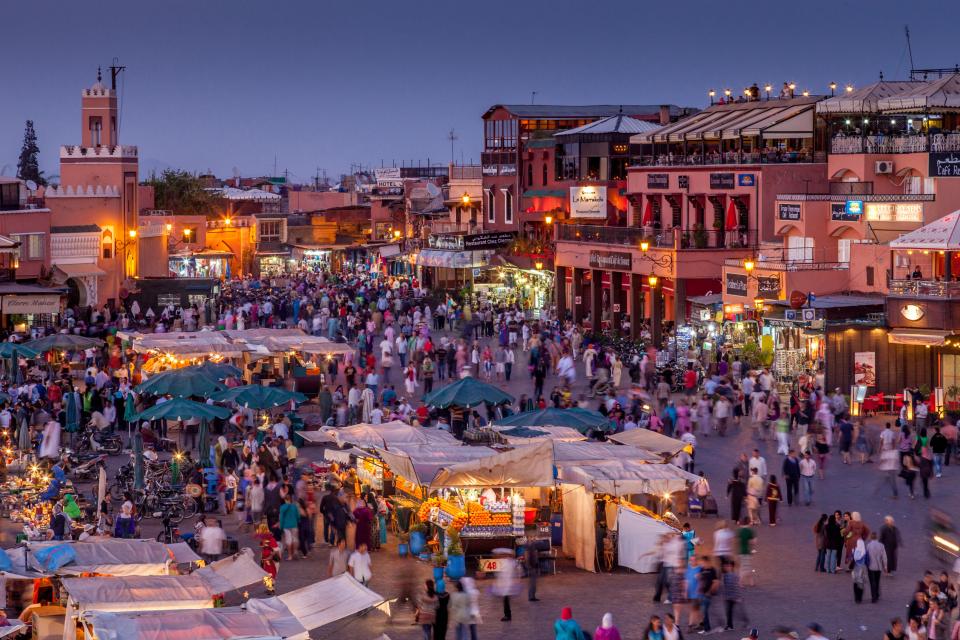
543	177
107	244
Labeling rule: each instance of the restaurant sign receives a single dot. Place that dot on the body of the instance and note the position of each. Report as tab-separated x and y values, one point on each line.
944	164
445	242
619	260
588	202
658	181
838	211
28	304
788	211
736	285
491	240
768	286
721	180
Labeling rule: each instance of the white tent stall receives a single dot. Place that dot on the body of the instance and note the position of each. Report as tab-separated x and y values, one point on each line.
116	557
389	433
234	572
637	540
529	466
321	603
199	624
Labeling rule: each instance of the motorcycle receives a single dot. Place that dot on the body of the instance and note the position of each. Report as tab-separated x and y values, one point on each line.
170	533
92	440
90	469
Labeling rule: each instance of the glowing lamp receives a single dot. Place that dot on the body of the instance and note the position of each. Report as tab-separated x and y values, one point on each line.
465	199
652	280
169	227
644	246
748	265
133	233
538	265
187	232
548	219
396	233
227	221
849	89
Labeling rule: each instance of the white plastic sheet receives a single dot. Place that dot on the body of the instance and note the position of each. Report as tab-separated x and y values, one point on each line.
637	540
579	526
322	602
530	466
118	557
199	624
135	593
235	572
389	433
650	441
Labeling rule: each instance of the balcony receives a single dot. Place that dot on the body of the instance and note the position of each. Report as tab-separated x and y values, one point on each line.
670	239
924	289
789	265
732	158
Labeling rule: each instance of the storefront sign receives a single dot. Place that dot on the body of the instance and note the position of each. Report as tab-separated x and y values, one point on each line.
865	368
445	242
29	304
658	181
736	284
619	260
912	312
388	250
788	211
588	202
838	211
388	178
944	165
768	286
746	179
491	240
888	212
721	181
683	182
853	207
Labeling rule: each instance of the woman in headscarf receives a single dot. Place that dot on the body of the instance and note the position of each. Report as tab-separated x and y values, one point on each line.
859	570
566	628
50	444
607	630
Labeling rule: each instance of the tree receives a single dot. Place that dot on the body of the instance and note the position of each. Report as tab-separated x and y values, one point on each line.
181	192
28	166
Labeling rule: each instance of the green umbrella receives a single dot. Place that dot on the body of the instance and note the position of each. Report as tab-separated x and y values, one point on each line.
183	409
256	396
466	392
8	349
204	445
63	341
181	382
130	416
72	413
583	420
218	370
524	432
137	461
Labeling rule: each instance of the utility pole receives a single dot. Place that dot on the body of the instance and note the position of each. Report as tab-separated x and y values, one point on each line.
533	97
115	70
906	30
452	136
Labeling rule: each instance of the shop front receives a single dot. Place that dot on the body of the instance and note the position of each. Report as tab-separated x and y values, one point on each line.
274	260
25	306
450	269
208	263
531	289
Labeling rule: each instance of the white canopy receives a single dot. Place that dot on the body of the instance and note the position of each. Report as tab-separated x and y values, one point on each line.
939	235
650	441
118	557
638	538
625	477
322	602
198	624
529	466
234	572
420	463
587	451
343	455
317	437
942	93
133	593
865	99
556	434
388	434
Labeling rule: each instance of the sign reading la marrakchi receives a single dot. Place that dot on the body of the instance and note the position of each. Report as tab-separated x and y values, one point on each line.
588	202
618	260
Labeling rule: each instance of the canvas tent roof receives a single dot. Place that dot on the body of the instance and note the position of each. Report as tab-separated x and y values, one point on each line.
587	451
389	433
940	235
650	441
865	99
118	557
529	466
420	463
624	477
942	93
132	593
197	624
234	572
321	603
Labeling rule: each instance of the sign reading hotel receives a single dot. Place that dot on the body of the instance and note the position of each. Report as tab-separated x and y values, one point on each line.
944	165
788	211
618	260
736	285
388	177
588	202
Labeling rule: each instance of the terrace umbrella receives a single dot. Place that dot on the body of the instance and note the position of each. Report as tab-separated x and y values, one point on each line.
72	413
254	396
732	222
16	375
63	341
218	370
8	349
183	409
137	461
466	392
204	445
583	420
647	214
181	383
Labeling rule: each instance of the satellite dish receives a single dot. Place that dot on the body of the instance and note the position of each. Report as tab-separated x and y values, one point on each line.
31	185
433	190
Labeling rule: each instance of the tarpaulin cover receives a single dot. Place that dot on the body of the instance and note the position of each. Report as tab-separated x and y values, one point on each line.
577	418
651	441
625	477
197	624
528	435
55	556
420	463
637	538
586	451
317	437
120	557
235	572
529	466
387	434
322	602
15	627
132	593
579	526
341	455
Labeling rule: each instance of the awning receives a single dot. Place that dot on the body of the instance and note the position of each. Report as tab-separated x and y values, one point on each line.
235	572
940	94
530	466
865	99
63	272
650	441
388	434
116	557
453	259
942	234
226	623
136	593
340	455
420	463
545	193
321	603
927	337
625	477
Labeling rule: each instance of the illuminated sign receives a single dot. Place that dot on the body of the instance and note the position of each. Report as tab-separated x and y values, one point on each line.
588	202
912	312
889	212
746	179
853	207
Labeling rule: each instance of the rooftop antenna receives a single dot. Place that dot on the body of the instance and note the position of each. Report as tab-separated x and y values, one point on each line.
906	31
115	70
452	137
533	97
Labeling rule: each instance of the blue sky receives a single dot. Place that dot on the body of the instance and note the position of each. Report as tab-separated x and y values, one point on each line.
323	84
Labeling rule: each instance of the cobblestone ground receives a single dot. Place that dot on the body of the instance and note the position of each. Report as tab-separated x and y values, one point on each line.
788	591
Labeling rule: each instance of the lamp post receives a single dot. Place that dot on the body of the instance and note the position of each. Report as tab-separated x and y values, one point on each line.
833	88
849	89
768	88
711	93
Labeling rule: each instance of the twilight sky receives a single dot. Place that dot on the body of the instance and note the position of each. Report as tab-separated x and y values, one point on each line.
322	84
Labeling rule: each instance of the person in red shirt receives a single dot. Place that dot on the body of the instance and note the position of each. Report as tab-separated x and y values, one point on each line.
371	361
54	393
689	380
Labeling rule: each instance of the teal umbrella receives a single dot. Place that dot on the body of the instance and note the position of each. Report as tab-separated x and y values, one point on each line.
182	383
524	432
72	413
16	375
23	438
466	392
583	420
8	349
183	409
204	445
218	370
63	341
256	396
130	416
138	461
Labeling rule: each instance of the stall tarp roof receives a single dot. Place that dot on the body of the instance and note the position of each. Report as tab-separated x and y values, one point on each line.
197	624
866	99
942	234
588	451
420	463
118	557
527	435
624	477
650	441
317	437
341	455
575	417
234	572
323	602
942	93
529	466
389	433
132	593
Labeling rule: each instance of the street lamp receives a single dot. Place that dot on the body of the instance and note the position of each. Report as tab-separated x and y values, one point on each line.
644	246
748	265
711	93
187	233
833	87
465	199
396	233
758	304
548	219
768	88
849	89
169	227
538	265
652	281
664	262
226	221
133	234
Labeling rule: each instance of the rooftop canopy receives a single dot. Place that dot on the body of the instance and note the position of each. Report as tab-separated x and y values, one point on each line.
942	94
866	99
939	235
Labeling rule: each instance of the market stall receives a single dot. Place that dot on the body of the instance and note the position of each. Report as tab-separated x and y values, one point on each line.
322	603
225	623
115	557
387	434
514	436
652	441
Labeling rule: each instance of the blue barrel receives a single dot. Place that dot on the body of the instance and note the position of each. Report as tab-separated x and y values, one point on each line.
556	529
456	567
417	542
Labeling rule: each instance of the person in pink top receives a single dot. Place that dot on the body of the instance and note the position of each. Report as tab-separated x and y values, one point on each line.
607	630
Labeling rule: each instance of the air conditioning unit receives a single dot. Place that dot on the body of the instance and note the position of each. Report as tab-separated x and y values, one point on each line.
883	166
